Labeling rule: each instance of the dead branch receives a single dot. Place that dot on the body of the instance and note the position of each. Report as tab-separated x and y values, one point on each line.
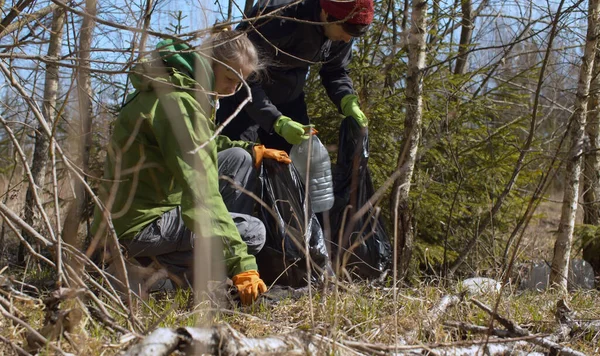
223	340
17	348
433	317
14	12
10	307
565	316
477	329
471	347
32	332
441	307
67	162
29	18
21	154
4	210
438	311
106	320
57	322
516	330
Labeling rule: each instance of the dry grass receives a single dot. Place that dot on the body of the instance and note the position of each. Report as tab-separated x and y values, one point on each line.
362	313
356	312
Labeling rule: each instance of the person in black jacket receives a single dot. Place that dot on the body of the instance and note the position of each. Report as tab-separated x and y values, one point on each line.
293	35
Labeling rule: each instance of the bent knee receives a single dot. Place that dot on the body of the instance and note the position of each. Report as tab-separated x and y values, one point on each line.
252	231
240	155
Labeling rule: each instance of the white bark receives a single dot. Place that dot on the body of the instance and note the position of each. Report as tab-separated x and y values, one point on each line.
412	130
562	247
223	340
591	173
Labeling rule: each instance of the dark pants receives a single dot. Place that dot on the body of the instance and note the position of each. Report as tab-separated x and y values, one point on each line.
242	127
169	241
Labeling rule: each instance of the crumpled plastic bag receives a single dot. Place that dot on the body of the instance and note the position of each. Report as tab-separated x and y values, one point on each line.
365	242
282	259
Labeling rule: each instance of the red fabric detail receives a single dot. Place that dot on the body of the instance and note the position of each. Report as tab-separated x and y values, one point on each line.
358	12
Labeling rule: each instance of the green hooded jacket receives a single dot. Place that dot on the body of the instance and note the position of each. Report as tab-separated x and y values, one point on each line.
154	163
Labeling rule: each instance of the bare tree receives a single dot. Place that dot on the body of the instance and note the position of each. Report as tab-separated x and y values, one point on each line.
84	91
465	36
40	152
248	7
412	133
562	246
591	172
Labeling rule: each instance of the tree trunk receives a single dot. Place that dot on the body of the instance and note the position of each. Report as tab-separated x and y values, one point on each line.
40	151
389	78
465	37
404	15
229	11
412	133
248	7
488	219
562	247
84	92
591	173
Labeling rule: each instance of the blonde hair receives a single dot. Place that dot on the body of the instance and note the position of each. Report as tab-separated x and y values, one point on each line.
232	47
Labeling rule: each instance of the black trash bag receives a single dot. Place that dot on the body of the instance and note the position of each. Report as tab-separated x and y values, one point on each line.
352	186
282	259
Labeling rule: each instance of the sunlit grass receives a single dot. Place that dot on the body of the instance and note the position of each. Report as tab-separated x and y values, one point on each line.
359	313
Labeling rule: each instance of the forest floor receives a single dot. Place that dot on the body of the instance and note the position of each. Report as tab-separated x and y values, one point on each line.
350	318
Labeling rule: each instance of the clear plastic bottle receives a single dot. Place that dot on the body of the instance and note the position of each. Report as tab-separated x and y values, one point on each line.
320	183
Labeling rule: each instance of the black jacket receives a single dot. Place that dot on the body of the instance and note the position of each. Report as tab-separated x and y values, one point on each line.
290	47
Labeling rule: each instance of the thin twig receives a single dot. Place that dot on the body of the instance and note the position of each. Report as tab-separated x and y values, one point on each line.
16	347
31	330
516	330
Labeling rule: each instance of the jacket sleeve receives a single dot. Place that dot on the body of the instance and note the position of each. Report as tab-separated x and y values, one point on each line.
335	74
224	142
179	132
261	110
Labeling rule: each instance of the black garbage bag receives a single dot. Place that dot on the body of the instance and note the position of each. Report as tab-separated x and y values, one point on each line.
282	259
352	186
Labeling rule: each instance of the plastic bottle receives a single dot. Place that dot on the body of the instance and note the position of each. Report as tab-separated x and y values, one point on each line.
320	183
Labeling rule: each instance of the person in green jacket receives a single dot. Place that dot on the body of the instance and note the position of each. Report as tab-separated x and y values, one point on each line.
162	171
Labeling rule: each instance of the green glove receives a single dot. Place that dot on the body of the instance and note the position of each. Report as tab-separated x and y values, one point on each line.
350	108
292	131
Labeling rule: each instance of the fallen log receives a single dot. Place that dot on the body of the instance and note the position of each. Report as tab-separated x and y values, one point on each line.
223	340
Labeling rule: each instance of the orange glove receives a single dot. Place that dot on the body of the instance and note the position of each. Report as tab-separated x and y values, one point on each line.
249	286
261	152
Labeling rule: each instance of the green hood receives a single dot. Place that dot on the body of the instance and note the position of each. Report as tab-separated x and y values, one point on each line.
175	64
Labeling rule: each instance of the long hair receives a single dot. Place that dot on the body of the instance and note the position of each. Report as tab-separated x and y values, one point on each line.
232	47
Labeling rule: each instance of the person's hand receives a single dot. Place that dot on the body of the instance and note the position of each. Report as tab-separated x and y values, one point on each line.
261	152
293	132
249	286
350	107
